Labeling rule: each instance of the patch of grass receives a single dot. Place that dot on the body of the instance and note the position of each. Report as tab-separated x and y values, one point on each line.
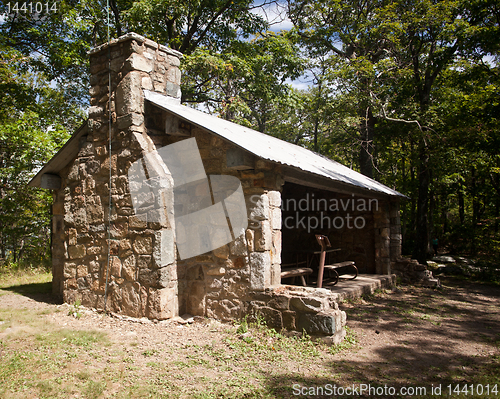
94	389
21	321
76	310
256	340
83	339
150	352
243	327
349	342
83	375
28	281
181	364
14	365
46	388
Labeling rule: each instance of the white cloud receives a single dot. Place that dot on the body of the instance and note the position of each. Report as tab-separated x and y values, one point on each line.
300	83
274	13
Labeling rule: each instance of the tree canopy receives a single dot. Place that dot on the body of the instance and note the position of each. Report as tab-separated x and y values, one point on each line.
406	92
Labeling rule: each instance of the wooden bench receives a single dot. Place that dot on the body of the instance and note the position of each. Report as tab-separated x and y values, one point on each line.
296	272
292	270
341	265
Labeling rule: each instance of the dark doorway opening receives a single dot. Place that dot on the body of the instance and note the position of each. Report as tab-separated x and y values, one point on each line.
347	220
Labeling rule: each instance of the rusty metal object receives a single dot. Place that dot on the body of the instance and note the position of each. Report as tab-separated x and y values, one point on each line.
324	242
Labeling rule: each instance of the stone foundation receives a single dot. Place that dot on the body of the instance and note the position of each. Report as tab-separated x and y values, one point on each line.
292	308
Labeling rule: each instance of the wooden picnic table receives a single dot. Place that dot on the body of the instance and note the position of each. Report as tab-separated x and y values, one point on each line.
303	269
325	243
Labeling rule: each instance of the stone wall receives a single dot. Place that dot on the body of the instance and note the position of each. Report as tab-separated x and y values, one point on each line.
215	284
312	310
409	271
243	277
387	234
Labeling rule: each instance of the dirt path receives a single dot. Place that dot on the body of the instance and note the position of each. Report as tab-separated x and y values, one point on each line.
426	335
408	337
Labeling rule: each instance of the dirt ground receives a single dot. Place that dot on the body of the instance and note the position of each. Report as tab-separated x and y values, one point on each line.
407	337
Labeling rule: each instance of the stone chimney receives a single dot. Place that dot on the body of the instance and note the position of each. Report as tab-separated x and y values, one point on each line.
142	276
133	63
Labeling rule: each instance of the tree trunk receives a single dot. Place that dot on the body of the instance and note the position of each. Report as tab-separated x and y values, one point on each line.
316	114
461	205
411	228
497	213
444	207
475	210
422	238
366	153
14	251
315	139
432	206
2	246
404	215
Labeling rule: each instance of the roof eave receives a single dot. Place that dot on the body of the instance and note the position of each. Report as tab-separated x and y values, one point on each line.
62	158
171	106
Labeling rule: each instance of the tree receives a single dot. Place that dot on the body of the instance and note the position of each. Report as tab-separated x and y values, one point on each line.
32	114
350	32
24	212
391	55
186	26
246	81
432	37
44	76
468	211
57	42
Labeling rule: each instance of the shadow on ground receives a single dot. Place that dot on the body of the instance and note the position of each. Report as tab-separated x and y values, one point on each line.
40	292
416	337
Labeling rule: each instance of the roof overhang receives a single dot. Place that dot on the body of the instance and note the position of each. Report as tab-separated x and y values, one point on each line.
63	157
299	163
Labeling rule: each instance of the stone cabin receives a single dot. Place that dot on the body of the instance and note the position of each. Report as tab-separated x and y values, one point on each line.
111	245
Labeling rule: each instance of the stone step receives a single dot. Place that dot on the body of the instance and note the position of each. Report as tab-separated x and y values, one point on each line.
365	284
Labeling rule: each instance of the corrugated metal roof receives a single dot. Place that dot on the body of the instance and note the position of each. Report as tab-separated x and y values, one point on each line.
268	147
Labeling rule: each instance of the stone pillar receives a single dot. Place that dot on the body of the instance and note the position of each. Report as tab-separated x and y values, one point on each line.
275	222
396	238
260	230
382	232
